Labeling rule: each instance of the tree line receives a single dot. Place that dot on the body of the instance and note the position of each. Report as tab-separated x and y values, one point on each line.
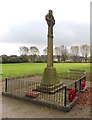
61	54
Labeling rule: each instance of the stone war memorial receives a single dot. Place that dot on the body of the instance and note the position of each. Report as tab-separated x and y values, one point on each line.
49	90
50	78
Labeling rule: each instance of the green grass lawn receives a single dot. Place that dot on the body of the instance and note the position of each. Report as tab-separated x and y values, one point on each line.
26	69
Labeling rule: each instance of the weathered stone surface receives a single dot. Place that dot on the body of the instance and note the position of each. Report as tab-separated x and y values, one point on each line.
50	76
50	82
50	22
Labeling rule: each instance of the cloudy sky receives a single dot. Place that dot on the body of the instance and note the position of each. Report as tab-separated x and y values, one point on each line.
22	23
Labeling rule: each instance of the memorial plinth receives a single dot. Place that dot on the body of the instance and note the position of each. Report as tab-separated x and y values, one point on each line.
50	82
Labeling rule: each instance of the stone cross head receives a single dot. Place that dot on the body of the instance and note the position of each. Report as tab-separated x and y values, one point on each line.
50	18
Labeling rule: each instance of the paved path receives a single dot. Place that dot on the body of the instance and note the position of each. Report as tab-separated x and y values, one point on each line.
13	108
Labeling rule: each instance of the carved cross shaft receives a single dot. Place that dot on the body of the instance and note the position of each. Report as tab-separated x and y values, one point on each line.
50	22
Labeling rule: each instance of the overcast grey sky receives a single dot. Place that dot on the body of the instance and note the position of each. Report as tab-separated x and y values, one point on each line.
22	23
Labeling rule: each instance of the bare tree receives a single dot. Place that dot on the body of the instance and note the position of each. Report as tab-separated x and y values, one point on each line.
85	50
64	53
23	50
61	53
74	52
57	52
34	51
44	56
45	51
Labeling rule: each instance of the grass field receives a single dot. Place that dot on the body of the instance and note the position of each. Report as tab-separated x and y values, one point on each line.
27	69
